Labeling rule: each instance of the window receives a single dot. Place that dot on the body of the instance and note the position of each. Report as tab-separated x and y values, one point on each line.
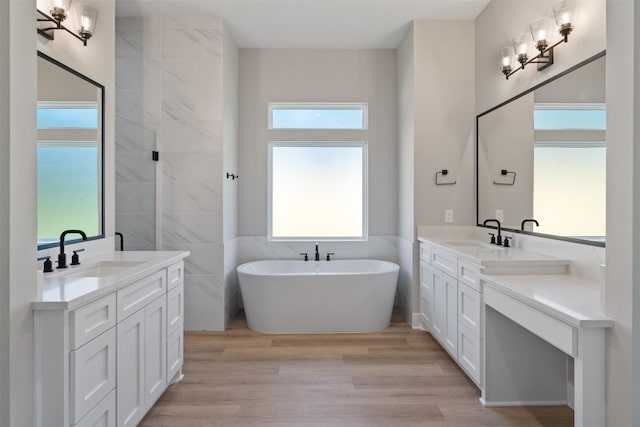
317	191
68	169
570	159
301	115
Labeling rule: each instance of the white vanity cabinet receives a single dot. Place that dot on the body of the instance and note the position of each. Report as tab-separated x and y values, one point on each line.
175	320
451	302
103	360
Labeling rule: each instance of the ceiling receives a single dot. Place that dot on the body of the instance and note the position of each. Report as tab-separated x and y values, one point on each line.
311	24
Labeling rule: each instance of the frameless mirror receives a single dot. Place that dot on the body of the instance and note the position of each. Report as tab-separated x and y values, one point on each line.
542	156
70	117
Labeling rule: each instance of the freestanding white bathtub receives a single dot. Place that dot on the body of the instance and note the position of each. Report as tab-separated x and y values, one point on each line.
318	296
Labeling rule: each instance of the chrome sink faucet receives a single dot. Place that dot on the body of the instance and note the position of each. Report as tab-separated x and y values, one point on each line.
317	253
499	236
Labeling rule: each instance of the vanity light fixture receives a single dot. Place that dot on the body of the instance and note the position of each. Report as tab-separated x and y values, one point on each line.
542	30
85	17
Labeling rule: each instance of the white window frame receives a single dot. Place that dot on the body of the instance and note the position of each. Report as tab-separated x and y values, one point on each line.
365	190
319	106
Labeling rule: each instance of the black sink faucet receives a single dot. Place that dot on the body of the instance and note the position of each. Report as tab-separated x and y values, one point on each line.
499	236
62	257
317	253
524	221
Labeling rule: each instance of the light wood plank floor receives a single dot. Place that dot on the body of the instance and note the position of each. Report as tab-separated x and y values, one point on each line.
396	377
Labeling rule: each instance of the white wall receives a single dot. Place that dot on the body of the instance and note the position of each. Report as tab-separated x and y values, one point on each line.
406	124
18	42
318	75
5	226
18	215
444	120
623	234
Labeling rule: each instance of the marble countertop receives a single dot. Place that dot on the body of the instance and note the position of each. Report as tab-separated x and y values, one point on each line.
67	289
571	299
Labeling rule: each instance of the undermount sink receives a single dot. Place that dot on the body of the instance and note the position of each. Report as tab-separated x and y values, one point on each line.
106	268
470	243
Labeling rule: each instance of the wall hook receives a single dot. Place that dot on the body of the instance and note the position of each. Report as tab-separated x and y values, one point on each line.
232	176
443	172
505	172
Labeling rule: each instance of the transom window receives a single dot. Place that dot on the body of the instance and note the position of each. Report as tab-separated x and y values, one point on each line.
305	115
317	191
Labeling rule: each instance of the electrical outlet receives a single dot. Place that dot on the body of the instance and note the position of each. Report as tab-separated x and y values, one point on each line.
448	215
500	215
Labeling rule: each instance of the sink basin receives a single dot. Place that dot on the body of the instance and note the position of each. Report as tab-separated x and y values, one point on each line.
106	268
470	243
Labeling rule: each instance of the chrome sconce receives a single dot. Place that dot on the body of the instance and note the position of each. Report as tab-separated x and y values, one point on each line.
542	30
85	17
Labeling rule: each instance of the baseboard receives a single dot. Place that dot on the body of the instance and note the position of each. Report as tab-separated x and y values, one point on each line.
416	322
570	396
519	403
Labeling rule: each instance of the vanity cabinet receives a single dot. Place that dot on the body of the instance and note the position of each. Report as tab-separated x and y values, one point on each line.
450	306
105	362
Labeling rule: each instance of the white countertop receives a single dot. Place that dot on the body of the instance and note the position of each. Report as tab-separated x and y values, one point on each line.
571	299
64	290
493	257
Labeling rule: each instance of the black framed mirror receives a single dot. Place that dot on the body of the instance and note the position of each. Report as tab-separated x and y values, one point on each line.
70	152
541	156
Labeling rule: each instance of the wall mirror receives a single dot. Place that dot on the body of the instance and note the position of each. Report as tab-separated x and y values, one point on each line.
542	156
70	164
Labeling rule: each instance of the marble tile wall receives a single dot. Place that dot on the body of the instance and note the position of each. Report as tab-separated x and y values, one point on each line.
169	98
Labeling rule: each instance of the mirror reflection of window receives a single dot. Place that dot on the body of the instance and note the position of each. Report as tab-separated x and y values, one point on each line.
67	196
570	163
69	152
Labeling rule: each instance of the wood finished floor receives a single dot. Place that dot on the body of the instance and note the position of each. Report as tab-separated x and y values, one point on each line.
396	377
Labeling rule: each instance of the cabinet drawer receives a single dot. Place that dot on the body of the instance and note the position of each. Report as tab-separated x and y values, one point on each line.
175	275
175	309
557	333
103	415
444	261
134	297
175	348
92	374
469	274
469	353
469	308
425	252
89	321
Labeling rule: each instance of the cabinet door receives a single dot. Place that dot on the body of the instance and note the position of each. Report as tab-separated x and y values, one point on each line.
131	358
451	314
155	340
439	304
175	309
469	346
175	354
103	415
469	308
426	294
93	374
